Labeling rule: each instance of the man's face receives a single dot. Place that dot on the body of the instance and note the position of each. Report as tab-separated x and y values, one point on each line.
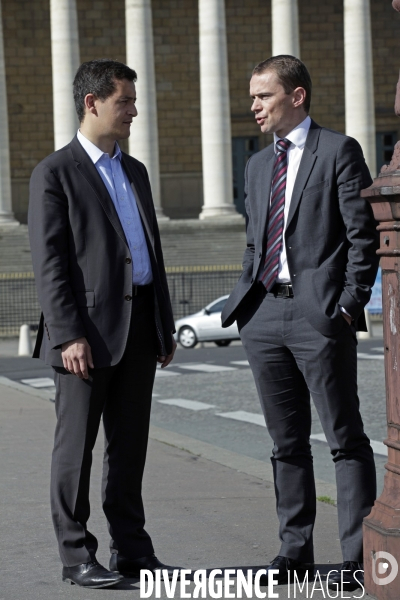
273	108
115	114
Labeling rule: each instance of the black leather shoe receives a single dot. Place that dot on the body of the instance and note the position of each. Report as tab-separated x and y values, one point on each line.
284	565
352	574
90	575
132	567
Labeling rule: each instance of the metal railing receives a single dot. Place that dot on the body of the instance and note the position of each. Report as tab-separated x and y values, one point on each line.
191	289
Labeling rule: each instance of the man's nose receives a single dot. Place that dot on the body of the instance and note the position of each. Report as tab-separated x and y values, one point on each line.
255	106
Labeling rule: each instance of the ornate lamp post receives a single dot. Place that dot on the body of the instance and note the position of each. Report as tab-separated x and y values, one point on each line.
382	526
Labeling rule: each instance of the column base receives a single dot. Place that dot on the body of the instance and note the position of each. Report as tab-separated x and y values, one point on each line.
8	220
381	534
218	212
160	214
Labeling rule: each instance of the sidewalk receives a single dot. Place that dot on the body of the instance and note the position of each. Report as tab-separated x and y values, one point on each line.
200	513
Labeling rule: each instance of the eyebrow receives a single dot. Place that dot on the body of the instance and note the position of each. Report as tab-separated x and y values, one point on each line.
261	94
127	98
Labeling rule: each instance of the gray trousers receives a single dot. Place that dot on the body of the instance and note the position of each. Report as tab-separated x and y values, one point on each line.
290	360
121	395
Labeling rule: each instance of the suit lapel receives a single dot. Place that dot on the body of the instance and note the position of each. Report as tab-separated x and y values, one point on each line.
88	170
306	166
265	190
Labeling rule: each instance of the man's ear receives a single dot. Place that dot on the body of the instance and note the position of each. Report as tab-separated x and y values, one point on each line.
90	104
299	96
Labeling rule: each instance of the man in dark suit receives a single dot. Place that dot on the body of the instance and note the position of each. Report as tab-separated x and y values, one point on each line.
106	321
308	270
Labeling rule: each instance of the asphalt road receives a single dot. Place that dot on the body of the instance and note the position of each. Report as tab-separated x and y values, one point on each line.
208	393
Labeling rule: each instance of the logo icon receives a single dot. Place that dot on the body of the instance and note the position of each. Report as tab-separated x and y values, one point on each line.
384	563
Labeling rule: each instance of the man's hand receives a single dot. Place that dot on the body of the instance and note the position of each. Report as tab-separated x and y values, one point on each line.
347	317
77	356
165	360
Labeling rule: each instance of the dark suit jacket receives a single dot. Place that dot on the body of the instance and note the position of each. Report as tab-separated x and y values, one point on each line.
331	236
81	258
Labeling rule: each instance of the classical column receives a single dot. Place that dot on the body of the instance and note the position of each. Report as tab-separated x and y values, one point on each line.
65	63
143	142
6	214
215	112
285	27
359	84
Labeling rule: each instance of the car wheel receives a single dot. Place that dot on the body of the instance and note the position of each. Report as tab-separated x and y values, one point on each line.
222	343
187	337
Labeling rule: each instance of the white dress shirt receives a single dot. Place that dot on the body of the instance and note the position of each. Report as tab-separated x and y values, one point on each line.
120	190
298	138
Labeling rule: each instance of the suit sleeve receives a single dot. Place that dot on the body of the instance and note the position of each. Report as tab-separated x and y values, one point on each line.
248	257
49	227
363	239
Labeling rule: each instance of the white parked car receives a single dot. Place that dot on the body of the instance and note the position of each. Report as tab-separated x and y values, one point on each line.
205	326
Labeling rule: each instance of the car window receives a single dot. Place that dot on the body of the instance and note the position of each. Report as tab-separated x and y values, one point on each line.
217	307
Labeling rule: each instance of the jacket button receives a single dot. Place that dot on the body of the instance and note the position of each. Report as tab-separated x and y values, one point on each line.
252	280
128	261
259	256
128	298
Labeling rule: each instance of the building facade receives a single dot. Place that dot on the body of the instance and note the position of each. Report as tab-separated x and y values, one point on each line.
194	59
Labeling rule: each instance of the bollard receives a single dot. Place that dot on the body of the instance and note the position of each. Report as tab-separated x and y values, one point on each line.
25	343
366	335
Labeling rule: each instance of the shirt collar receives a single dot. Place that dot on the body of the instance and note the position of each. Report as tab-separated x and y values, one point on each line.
298	135
94	151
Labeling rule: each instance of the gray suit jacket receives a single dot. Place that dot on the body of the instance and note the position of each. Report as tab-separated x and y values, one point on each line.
331	236
81	258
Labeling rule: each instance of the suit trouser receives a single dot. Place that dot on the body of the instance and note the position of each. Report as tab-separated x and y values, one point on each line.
122	395
290	360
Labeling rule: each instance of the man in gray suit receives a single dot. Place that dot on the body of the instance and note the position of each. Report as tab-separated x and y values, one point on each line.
308	270
106	321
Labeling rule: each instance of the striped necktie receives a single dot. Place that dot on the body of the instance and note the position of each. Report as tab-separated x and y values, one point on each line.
276	215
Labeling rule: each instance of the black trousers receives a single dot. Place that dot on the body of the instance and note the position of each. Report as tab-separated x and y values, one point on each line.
122	395
290	360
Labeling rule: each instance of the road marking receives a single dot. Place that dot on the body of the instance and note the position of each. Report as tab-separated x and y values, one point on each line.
189	404
242	415
257	419
370	356
378	349
377	447
164	373
242	363
39	382
206	368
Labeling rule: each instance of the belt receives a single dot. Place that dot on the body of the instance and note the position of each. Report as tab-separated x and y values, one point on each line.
282	290
141	290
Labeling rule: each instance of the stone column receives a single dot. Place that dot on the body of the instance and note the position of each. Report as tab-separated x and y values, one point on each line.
143	142
285	27
65	63
359	83
215	112
6	214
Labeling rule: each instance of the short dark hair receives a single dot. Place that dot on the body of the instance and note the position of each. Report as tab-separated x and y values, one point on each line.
98	77
291	72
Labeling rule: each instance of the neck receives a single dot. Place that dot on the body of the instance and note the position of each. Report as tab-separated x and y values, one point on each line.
103	142
288	127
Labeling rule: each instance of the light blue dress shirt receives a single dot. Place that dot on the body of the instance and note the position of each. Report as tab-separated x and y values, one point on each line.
119	188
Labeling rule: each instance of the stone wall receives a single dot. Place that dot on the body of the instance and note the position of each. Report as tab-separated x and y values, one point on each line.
102	33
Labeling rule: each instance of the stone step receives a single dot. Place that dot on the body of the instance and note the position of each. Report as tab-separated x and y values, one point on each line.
185	243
